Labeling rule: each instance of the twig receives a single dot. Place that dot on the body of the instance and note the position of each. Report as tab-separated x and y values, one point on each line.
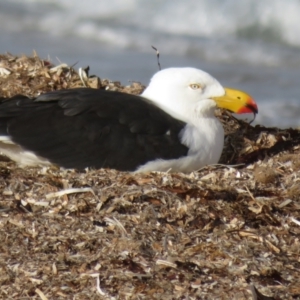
157	55
295	221
250	194
69	191
41	294
221	165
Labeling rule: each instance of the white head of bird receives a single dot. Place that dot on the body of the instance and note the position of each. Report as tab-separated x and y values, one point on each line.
189	93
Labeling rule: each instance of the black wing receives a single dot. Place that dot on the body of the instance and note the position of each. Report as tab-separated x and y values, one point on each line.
81	128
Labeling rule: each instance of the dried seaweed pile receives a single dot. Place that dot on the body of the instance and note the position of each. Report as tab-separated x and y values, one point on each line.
223	232
31	76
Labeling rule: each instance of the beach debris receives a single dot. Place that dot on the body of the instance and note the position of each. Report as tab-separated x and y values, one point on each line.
230	229
4	72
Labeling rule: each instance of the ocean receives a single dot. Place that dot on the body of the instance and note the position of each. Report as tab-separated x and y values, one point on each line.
252	45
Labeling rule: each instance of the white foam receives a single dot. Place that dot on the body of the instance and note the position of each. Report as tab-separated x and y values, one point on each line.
212	29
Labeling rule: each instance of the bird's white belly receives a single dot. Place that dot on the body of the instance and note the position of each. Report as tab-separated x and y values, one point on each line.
205	142
19	155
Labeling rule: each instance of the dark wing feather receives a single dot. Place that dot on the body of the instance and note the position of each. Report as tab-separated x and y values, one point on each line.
81	128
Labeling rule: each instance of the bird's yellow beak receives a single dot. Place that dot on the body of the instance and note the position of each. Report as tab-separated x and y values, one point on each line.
237	101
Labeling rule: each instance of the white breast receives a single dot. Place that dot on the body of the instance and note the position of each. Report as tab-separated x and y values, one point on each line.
205	141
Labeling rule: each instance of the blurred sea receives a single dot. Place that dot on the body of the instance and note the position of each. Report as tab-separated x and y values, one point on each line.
253	45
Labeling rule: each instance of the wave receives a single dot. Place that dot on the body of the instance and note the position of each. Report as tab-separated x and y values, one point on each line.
249	31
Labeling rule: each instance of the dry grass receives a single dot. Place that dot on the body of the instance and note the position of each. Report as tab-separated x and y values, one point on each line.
220	233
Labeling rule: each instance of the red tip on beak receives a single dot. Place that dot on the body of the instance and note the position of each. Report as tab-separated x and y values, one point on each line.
250	107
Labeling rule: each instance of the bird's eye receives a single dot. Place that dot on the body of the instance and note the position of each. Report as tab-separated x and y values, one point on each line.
195	86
